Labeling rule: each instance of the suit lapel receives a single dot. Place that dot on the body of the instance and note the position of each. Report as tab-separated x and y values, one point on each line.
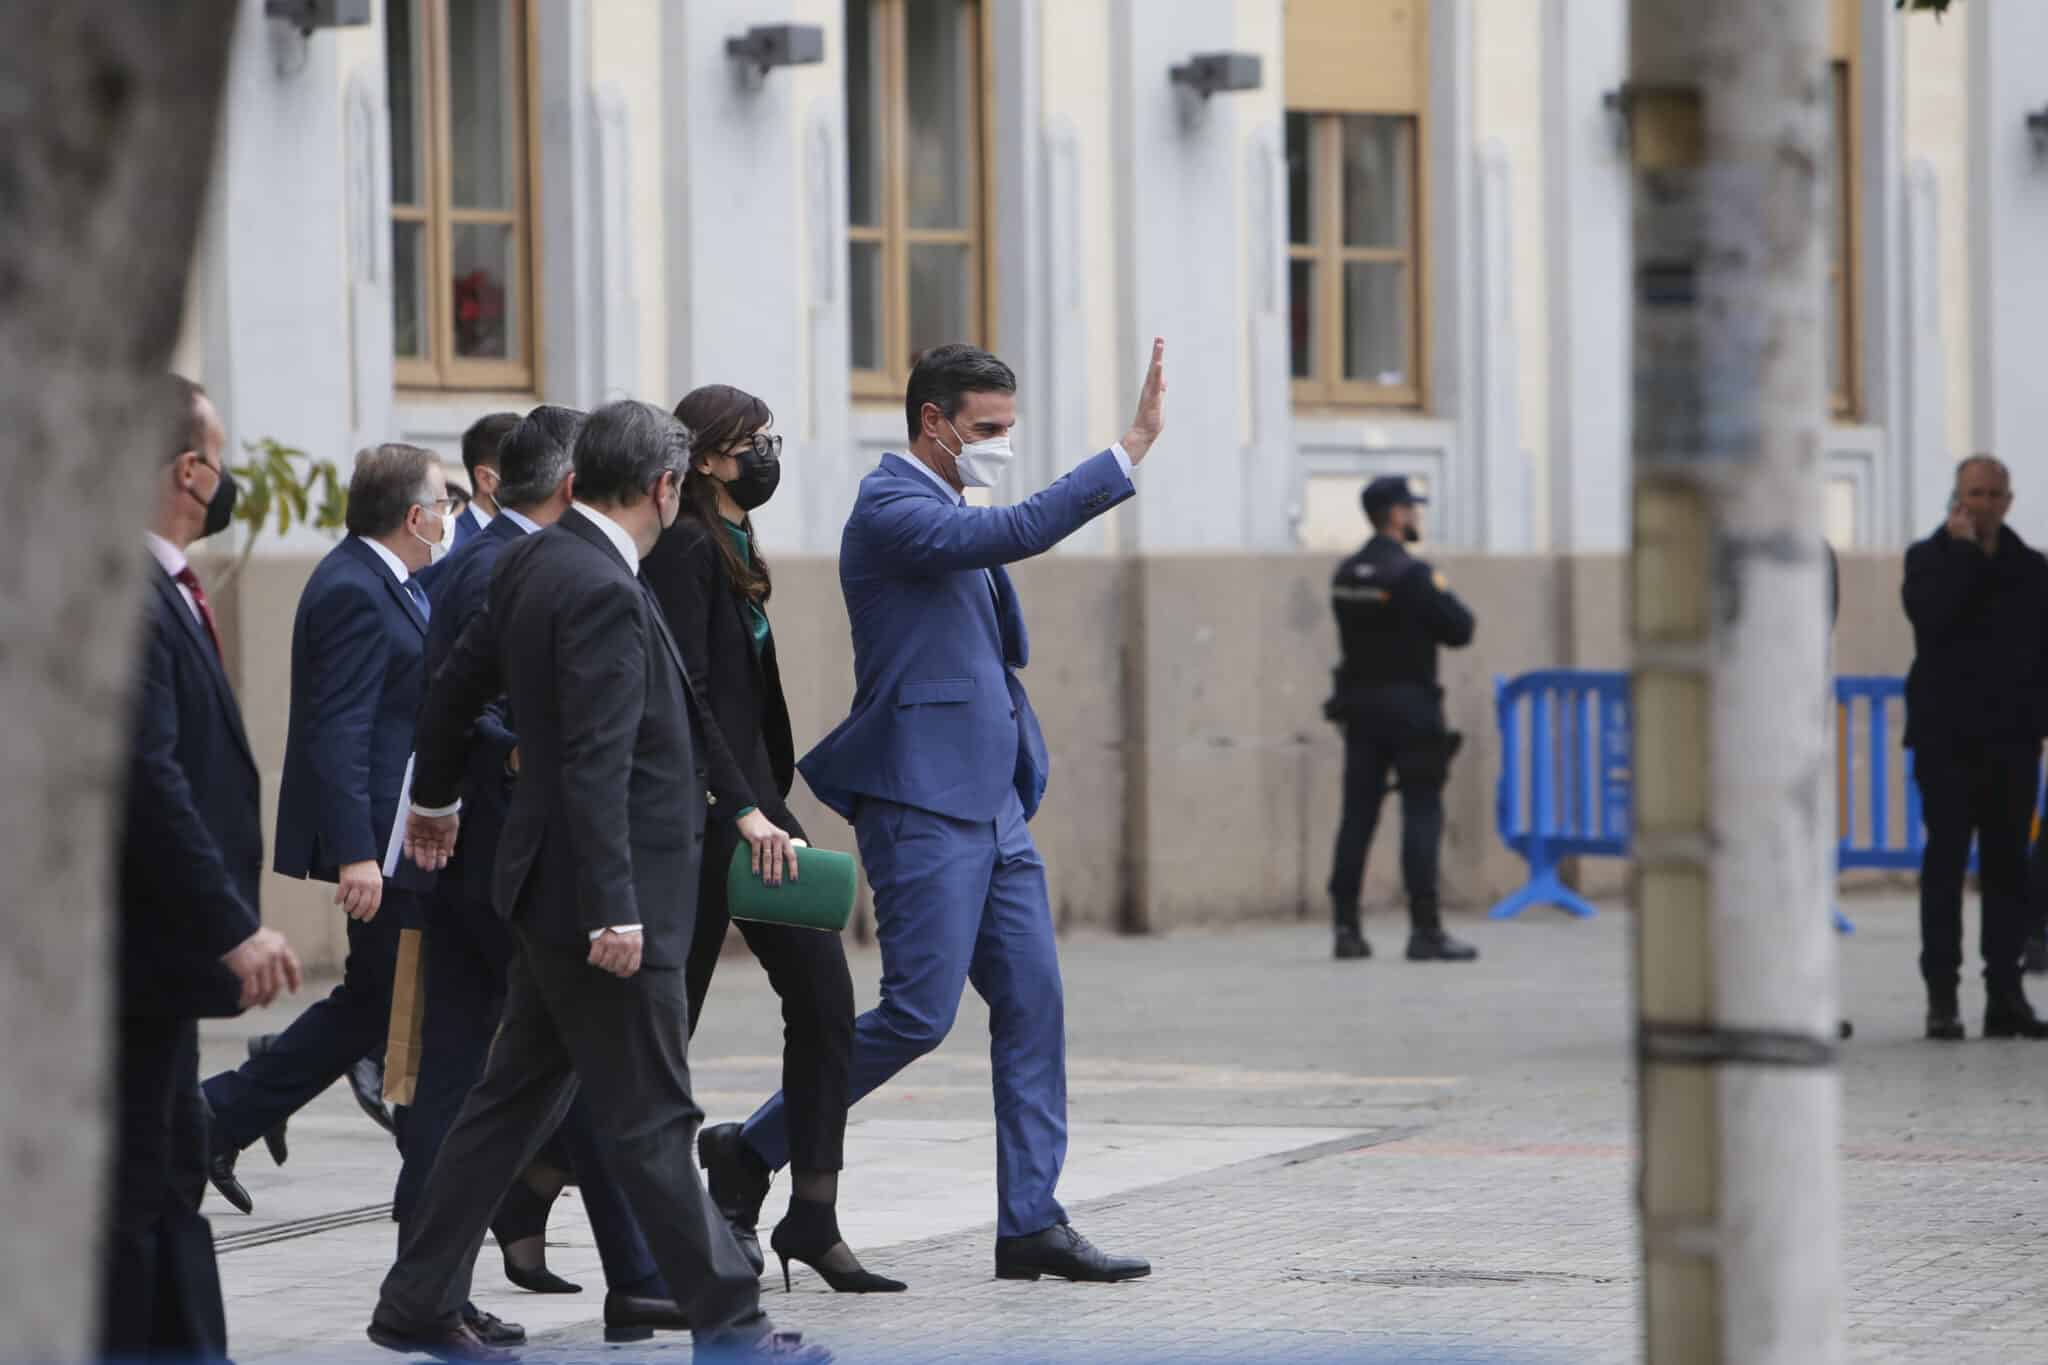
216	669
411	609
584	529
1010	620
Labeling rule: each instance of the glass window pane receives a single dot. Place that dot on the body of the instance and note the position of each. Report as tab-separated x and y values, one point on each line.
942	126
1301	179
1301	314
486	300
402	64
941	297
864	115
409	312
1379	179
1376	322
865	304
484	131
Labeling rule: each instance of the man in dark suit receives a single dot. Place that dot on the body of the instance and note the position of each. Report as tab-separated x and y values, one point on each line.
597	872
480	446
469	947
191	944
356	678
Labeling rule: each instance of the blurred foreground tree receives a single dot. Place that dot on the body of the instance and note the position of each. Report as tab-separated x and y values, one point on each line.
107	112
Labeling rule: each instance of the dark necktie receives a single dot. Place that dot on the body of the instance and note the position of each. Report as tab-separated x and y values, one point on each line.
189	581
418	595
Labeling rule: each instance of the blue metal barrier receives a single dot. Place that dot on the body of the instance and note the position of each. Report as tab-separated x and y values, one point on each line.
1569	791
1567	787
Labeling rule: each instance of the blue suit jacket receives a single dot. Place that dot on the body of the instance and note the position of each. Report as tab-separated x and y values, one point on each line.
467	530
191	845
459	592
357	677
940	720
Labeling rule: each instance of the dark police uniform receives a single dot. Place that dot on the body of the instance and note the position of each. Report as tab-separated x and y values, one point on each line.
1393	613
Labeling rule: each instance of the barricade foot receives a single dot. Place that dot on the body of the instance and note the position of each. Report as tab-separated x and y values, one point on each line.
1545	888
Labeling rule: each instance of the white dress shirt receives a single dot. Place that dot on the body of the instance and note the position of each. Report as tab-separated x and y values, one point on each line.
174	561
519	519
479	515
391	561
619	536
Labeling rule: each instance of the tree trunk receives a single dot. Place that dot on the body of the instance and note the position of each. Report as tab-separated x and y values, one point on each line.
1727	107
107	114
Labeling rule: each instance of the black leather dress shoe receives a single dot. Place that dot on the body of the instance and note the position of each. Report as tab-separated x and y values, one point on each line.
1062	1252
1434	945
2008	1015
629	1317
453	1342
1351	945
491	1329
274	1140
220	1166
738	1180
366	1082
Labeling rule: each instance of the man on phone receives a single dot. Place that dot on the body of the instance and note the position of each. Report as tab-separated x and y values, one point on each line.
1977	596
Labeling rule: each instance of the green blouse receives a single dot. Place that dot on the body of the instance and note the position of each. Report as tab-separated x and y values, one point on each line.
757	619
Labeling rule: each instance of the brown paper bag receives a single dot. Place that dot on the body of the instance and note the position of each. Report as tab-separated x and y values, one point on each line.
408	1010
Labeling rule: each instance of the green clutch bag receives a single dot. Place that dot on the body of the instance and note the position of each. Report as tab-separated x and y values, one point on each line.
820	898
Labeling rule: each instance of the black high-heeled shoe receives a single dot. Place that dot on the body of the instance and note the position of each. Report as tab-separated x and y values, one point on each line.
523	1213
808	1235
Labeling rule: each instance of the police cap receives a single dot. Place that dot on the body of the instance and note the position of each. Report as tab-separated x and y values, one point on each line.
1390	490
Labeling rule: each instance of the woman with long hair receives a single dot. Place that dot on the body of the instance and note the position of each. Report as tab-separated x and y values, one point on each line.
713	586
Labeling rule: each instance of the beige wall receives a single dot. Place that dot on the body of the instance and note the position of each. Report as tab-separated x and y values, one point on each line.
625	50
1193	778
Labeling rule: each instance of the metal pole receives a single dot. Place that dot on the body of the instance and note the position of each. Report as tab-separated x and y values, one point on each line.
1727	108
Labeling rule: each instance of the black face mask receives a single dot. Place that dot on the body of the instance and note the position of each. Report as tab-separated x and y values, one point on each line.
756	481
220	508
1409	535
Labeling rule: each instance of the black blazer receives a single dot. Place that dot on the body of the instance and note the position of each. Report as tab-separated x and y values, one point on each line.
606	825
743	689
459	594
191	842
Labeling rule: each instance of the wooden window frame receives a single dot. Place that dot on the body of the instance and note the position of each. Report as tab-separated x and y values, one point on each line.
1326	387
893	234
442	369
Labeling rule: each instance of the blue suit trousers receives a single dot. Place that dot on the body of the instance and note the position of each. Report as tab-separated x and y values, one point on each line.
960	901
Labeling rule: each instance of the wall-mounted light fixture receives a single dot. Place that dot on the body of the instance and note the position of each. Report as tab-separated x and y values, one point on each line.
1211	73
2037	129
764	47
308	15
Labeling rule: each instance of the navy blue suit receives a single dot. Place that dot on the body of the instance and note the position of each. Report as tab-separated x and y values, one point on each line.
939	765
191	854
357	646
470	947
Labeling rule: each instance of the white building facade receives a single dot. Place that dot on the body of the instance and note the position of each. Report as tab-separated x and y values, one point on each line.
1403	249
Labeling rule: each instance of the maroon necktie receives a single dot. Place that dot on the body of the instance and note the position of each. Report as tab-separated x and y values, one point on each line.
189	581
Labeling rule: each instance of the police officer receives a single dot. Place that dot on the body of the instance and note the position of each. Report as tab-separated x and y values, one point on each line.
1393	612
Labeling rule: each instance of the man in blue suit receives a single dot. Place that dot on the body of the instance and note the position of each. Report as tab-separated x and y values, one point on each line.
939	766
191	942
480	445
356	681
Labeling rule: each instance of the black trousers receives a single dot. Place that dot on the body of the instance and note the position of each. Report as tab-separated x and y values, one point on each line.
568	1025
808	970
468	955
327	1038
1371	753
160	1286
1986	790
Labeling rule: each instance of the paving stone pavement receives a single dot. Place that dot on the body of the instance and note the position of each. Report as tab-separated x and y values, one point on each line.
1372	1161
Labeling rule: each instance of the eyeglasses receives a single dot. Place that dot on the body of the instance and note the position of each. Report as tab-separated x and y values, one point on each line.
764	444
438	505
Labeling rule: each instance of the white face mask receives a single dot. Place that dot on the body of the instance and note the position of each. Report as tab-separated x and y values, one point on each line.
436	548
981	463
